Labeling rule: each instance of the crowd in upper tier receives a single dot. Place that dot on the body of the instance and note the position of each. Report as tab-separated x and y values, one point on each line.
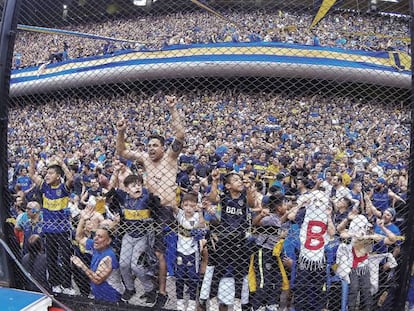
338	29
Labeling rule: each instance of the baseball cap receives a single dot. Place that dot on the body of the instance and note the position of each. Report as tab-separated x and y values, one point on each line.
381	180
392	211
359	225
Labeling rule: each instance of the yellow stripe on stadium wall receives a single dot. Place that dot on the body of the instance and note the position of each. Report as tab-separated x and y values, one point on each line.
269	60
277	51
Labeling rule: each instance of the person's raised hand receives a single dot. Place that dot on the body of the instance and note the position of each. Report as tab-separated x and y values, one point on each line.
121	125
171	101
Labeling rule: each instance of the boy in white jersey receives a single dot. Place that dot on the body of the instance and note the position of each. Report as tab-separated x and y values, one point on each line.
190	231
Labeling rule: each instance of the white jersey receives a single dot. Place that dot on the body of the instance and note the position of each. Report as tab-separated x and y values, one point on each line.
186	244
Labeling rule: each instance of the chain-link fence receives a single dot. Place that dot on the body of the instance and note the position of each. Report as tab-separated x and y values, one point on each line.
211	155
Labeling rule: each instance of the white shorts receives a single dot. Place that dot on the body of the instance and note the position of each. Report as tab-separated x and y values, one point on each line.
226	289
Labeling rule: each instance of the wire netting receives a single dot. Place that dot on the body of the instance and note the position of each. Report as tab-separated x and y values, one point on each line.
197	155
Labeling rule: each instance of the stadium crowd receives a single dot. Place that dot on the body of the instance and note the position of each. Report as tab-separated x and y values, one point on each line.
274	195
338	29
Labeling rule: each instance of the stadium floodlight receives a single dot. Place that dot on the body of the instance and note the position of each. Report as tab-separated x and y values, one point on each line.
140	2
65	12
143	3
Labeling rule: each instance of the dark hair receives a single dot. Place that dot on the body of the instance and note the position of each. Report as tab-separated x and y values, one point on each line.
34	245
57	168
276	200
274	189
305	181
259	185
157	137
280	176
133	179
189	169
228	176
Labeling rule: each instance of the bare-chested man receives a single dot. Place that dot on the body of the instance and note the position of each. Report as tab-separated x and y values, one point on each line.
161	168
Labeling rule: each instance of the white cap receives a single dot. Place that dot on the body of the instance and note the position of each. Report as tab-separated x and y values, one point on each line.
359	225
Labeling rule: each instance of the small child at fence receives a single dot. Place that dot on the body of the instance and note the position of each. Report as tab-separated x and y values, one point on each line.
190	231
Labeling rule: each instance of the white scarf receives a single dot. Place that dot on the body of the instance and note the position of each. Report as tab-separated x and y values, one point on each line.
313	232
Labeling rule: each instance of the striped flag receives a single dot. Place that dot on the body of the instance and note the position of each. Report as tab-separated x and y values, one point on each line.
323	9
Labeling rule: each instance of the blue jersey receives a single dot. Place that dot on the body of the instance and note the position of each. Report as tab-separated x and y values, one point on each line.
186	160
136	214
56	216
24	181
381	199
260	167
29	228
111	288
235	214
224	167
380	247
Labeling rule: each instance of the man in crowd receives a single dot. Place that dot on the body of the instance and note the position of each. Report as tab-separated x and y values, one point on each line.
161	168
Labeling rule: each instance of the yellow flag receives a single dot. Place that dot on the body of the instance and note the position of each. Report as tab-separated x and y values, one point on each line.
324	8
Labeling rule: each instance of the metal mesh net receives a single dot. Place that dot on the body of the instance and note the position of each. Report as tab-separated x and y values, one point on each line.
197	155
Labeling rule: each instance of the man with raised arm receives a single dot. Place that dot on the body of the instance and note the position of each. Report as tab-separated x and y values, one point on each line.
161	168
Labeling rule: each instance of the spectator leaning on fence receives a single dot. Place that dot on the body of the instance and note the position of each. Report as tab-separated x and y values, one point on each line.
356	263
103	272
271	283
89	221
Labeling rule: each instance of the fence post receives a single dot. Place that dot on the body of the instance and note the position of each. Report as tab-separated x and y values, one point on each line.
408	254
8	27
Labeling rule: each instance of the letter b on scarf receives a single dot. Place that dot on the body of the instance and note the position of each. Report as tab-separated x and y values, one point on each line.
315	235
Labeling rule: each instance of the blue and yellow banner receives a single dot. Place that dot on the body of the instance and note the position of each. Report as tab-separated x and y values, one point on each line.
323	9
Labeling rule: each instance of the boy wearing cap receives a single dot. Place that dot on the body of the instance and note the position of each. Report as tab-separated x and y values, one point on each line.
386	275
